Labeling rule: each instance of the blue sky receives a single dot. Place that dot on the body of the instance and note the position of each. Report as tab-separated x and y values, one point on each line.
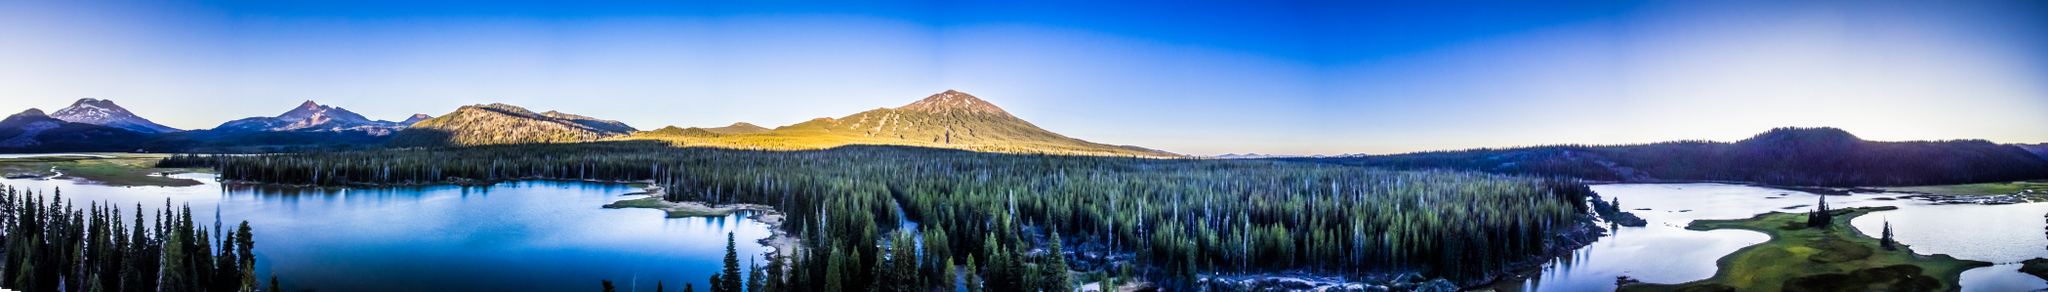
1190	77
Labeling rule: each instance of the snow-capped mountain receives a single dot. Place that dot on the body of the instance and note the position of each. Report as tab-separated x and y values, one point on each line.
312	117
106	113
32	131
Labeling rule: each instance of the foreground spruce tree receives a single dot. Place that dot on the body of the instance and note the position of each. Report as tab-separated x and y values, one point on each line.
1054	273
731	278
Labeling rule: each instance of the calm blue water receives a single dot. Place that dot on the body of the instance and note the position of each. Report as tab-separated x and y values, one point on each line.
1665	252
521	236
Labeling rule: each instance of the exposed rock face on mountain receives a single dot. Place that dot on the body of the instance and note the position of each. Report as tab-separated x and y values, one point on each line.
312	117
949	119
33	131
738	128
106	113
505	124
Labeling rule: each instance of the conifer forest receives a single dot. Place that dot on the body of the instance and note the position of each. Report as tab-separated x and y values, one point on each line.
1005	222
53	244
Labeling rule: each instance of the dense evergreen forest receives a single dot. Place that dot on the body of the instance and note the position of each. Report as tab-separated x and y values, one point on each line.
1012	222
1784	156
52	245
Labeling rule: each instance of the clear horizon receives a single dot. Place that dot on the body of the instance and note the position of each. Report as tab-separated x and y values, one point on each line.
1201	79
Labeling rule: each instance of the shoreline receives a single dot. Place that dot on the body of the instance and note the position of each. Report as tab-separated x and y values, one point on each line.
783	244
1815	255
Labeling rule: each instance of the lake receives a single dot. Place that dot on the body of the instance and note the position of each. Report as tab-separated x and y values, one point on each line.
1665	252
515	236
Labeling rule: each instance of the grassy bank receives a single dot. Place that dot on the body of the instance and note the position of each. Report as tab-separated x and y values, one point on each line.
1837	258
1983	189
115	169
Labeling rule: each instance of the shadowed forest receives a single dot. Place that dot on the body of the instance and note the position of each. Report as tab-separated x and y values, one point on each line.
1783	156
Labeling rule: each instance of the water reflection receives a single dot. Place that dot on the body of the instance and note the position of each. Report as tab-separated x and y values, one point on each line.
523	236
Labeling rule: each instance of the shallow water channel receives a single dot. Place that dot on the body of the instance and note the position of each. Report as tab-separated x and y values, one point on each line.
1665	252
515	236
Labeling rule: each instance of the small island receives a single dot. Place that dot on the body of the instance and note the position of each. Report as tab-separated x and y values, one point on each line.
1830	257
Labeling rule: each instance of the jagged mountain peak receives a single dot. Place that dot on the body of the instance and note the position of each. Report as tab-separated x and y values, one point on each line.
954	101
738	128
105	113
312	116
312	110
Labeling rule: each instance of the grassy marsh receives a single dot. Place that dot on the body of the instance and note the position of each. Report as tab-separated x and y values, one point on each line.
115	169
1836	258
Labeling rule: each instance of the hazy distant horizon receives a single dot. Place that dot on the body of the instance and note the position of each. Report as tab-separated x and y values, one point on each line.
1191	78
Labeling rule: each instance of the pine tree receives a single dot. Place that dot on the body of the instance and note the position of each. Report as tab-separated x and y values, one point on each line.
879	278
1125	275
776	271
835	275
608	286
1887	242
274	287
716	283
687	288
948	277
657	286
973	278
1189	274
905	264
754	283
174	267
245	243
731	277
1056	277
1820	217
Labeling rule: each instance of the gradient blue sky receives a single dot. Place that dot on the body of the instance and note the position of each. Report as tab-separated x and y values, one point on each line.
1190	77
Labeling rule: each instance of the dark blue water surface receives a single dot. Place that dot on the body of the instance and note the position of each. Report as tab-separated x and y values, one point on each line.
517	236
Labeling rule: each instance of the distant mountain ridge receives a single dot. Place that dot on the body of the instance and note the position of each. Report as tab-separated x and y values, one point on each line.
738	128
33	131
311	116
1254	156
950	119
497	123
310	126
106	113
1782	156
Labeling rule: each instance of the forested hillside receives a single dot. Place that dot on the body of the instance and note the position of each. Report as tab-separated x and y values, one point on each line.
493	124
1003	217
1784	156
949	119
